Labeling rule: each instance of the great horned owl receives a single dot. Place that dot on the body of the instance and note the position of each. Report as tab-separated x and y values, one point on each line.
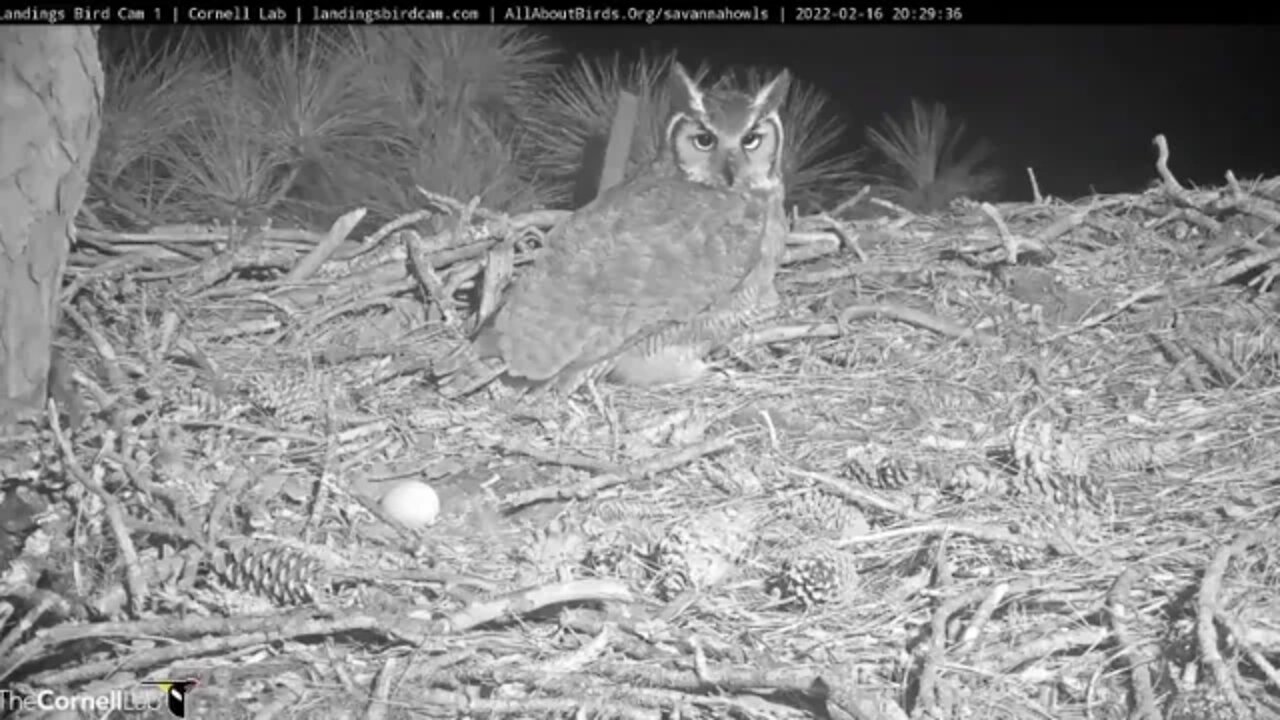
640	284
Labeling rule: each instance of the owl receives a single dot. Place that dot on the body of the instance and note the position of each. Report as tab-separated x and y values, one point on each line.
638	286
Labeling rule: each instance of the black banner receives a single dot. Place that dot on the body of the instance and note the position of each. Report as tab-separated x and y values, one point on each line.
676	12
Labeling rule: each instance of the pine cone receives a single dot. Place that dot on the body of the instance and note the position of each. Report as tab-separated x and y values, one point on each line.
281	574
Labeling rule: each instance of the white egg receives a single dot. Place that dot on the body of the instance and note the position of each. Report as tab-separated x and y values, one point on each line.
412	503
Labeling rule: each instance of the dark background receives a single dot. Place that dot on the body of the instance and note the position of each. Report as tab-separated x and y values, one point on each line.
1078	103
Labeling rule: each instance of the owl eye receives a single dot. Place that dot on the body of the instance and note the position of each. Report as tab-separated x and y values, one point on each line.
751	140
704	141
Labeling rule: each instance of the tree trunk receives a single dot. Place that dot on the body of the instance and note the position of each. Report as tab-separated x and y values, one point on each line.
50	114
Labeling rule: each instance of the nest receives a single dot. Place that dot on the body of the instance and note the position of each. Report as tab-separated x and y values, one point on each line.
1008	461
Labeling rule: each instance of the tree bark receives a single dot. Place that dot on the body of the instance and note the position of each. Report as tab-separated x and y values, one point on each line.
51	87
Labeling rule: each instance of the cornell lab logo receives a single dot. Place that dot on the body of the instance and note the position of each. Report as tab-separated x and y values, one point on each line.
175	691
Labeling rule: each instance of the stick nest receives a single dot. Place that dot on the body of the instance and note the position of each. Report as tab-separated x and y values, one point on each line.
1014	461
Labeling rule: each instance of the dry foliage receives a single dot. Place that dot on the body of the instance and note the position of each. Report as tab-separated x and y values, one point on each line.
929	160
259	123
1013	461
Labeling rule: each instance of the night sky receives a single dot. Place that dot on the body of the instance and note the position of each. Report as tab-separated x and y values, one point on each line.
1078	103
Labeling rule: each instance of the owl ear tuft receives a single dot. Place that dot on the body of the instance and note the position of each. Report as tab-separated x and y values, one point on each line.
686	96
770	97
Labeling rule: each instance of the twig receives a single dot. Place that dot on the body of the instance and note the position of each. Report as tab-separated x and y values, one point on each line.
1255	656
850	202
1234	184
804	250
428	280
1227	374
169	323
902	212
982	532
522	602
855	270
370	298
381	695
853	494
1053	643
214	269
116	266
1037	198
583	656
1235	270
790	333
910	316
110	360
1179	361
981	616
840	328
1208	608
274	630
1010	242
190	234
322	487
378	235
589	487
720	677
936	650
1066	223
1118	606
499	267
562	458
463	705
133	577
1151	291
47	601
837	228
1261	208
1162	166
176	501
337	234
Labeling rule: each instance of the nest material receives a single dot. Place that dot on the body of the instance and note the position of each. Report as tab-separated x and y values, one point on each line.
1014	461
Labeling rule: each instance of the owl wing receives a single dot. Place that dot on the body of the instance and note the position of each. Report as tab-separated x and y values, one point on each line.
653	254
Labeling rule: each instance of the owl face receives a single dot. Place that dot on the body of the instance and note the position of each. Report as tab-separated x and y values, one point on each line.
725	138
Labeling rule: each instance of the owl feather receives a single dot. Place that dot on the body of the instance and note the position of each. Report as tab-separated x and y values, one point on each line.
657	270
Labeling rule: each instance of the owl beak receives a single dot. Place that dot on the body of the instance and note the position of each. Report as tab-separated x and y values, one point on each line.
733	167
